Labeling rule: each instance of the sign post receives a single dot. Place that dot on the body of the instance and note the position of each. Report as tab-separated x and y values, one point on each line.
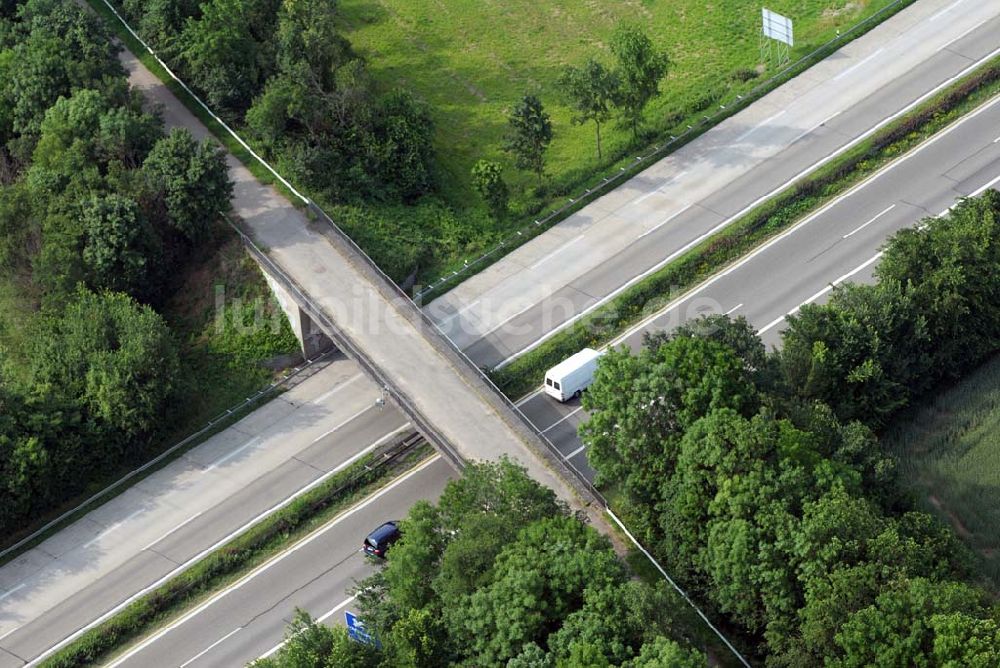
776	37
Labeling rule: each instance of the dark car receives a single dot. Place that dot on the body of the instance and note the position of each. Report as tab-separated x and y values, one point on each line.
378	542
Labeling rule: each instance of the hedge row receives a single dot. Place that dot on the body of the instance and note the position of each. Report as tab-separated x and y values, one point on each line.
763	222
234	558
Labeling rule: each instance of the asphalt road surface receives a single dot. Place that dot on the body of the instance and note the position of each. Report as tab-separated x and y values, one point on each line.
162	535
839	243
589	257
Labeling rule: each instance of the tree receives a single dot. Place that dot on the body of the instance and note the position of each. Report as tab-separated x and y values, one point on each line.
119	248
909	622
592	90
539	580
228	51
640	69
665	653
110	355
529	134
192	180
309	644
641	405
487	178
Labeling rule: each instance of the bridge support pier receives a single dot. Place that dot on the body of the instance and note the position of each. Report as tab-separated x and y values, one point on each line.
311	338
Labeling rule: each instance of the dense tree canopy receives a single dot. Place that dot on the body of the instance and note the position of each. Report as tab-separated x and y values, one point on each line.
498	574
98	211
759	479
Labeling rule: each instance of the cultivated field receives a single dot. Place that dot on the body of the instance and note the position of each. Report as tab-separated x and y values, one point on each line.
471	59
949	451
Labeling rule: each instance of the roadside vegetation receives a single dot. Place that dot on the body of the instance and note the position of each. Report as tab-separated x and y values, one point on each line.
388	142
765	221
227	564
761	480
499	573
109	248
948	448
474	62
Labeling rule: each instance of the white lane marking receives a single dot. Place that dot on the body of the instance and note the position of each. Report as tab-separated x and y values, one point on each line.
113	527
12	591
672	179
9	632
210	647
830	286
563	419
267	565
858	64
225	458
557	251
665	221
945	46
699	288
863	226
733	309
868	262
326	395
815	127
187	564
575	452
322	618
946	10
344	423
184	523
763	123
996	140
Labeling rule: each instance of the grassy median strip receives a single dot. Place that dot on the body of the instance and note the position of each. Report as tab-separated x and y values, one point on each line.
240	555
756	227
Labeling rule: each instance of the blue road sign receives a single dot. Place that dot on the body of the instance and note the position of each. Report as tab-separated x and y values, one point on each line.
356	630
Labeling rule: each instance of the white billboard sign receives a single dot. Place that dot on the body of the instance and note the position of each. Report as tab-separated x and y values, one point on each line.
777	27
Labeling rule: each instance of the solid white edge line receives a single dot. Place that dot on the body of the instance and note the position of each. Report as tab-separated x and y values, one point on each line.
276	559
180	568
319	620
752	205
210	647
851	273
575	452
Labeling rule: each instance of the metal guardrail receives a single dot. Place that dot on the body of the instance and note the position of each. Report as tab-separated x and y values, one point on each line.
212	424
725	110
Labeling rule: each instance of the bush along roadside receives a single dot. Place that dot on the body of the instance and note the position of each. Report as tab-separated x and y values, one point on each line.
234	559
743	235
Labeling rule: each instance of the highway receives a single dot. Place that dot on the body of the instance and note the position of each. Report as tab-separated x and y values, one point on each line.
587	258
839	243
248	619
168	519
800	265
841	240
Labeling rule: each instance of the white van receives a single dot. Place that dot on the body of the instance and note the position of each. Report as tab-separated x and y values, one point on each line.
572	376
